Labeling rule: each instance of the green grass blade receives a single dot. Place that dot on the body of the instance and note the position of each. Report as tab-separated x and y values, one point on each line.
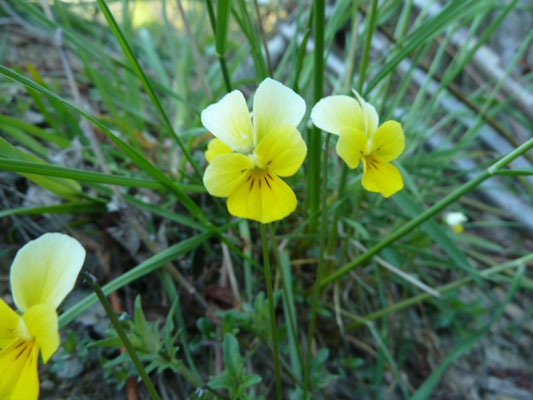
65	188
75	207
424	33
135	156
147	86
34	131
87	176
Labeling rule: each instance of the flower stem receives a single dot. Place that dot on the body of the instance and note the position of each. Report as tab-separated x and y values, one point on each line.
221	58
290	308
91	280
268	277
313	188
320	271
368	41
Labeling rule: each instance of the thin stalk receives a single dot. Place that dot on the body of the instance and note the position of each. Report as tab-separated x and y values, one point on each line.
350	59
400	32
225	72
244	230
368	42
263	37
430	212
290	309
268	277
320	272
195	52
313	188
174	296
221	59
91	280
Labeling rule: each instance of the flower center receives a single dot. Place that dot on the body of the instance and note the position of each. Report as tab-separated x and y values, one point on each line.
258	163
22	331
259	178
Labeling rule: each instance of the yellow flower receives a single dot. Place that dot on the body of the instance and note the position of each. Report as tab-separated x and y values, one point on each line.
360	140
43	273
249	156
456	220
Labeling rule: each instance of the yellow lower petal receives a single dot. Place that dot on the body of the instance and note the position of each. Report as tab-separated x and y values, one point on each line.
283	150
41	322
381	177
263	197
225	172
351	147
458	228
19	378
10	321
388	142
215	148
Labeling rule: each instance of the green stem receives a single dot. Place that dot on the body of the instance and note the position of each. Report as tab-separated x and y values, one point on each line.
401	29
368	42
268	277
91	280
221	59
332	240
430	212
290	308
225	72
320	272
174	296
263	37
313	188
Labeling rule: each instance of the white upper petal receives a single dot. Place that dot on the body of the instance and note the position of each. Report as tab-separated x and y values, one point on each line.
339	115
229	120
275	105
45	270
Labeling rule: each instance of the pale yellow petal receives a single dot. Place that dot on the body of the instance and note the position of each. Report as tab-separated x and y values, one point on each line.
381	177
275	105
45	270
225	172
458	228
283	150
42	324
371	115
351	147
229	120
215	148
263	197
19	379
388	142
338	115
9	322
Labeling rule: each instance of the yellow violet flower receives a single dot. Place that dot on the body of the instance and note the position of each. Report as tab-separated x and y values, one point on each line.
361	140
250	154
43	273
456	220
